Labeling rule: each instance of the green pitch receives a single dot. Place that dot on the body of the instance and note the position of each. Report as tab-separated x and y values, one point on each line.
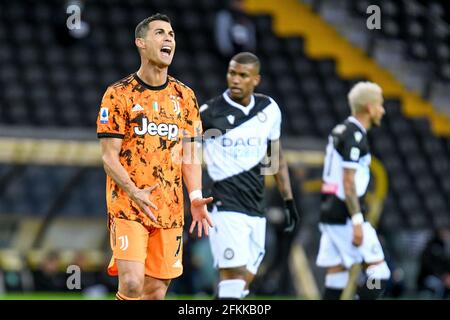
80	296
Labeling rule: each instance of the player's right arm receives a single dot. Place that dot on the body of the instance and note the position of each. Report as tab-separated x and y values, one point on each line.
111	129
110	155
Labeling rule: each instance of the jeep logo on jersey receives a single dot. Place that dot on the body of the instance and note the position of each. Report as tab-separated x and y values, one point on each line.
168	130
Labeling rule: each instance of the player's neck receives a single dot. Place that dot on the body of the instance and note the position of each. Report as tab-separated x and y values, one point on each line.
152	75
364	120
243	102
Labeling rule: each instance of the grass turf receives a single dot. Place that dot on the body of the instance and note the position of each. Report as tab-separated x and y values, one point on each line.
80	296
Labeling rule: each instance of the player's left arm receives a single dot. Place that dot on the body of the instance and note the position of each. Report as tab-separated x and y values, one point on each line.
192	177
191	167
350	151
282	175
353	206
284	185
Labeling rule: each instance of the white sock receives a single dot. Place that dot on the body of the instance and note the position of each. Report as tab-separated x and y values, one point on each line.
231	288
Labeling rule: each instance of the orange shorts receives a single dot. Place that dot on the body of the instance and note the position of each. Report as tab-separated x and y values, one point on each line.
161	250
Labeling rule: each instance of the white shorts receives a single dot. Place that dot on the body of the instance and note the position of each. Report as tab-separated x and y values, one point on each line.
336	246
237	240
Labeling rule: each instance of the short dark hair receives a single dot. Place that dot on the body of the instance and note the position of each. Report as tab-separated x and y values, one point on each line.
247	58
142	27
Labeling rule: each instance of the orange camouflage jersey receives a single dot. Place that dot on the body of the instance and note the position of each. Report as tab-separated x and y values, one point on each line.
152	121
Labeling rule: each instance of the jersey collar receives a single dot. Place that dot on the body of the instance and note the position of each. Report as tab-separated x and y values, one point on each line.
357	123
146	85
246	110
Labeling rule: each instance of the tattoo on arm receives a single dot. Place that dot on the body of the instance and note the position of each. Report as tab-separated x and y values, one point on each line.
351	197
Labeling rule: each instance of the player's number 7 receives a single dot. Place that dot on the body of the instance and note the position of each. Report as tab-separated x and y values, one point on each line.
179	245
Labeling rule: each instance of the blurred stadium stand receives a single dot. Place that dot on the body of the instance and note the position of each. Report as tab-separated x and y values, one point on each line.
412	42
53	83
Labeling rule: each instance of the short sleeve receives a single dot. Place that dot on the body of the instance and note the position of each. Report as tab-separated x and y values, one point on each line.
193	125
350	151
205	115
275	131
111	119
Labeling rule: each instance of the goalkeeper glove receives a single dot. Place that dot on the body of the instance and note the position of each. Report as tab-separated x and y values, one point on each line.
291	215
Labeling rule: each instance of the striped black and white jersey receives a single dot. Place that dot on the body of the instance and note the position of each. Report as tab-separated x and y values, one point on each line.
236	138
347	147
